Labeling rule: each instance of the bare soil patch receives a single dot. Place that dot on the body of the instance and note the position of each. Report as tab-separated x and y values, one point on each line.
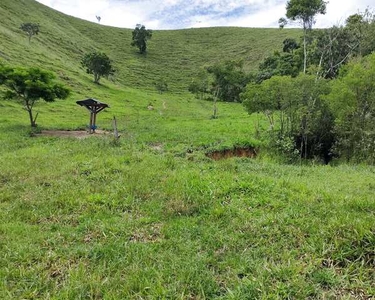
235	152
156	146
79	134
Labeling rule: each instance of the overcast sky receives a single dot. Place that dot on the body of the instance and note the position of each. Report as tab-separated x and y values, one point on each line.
175	14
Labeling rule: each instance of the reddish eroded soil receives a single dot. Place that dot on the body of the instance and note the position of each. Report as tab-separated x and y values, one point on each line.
235	152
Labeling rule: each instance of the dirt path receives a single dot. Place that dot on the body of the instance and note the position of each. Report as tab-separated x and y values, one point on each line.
79	134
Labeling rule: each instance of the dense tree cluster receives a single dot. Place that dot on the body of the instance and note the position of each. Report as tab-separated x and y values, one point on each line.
317	94
352	101
320	118
330	111
300	119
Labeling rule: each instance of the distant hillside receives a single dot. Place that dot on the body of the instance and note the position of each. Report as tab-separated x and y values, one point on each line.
175	55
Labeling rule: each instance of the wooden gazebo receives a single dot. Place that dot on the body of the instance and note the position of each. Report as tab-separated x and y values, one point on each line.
94	107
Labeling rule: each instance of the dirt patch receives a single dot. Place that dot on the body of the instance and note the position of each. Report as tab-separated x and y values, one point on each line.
235	152
74	133
156	146
152	234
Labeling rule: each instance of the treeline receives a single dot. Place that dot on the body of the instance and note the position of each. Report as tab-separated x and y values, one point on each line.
323	111
320	118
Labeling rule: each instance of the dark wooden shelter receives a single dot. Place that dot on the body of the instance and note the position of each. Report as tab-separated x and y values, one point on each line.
94	107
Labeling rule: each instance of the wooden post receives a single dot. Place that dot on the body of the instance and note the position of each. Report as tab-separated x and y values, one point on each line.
115	131
94	122
91	120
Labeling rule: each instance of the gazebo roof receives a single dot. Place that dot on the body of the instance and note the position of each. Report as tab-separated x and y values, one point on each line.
92	102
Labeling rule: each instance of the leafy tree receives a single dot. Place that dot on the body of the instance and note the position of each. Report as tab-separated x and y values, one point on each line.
4	71
200	85
285	64
362	28
30	29
270	97
314	135
161	85
197	88
270	63
229	80
290	45
31	85
352	100
98	64
140	35
303	11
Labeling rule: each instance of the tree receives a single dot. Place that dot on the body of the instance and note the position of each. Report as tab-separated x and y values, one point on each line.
290	45
200	84
332	48
229	79
29	86
140	36
314	135
98	64
269	97
305	12
352	100
280	64
362	28
30	29
4	71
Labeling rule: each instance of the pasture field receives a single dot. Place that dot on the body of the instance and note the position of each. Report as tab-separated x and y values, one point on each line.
151	216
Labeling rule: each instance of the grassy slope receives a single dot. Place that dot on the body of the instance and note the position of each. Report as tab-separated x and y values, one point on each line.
134	222
175	55
90	219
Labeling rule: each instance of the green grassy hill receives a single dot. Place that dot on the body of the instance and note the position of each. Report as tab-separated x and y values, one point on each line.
152	217
174	55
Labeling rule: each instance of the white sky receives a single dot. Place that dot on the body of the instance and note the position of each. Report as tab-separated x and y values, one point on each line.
172	14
